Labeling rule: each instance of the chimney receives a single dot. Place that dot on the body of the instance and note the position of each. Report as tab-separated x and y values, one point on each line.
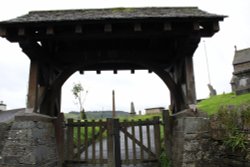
2	106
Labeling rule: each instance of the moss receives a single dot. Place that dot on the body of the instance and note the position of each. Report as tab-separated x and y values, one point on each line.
122	10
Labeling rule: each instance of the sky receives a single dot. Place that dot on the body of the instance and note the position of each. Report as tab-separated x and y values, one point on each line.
144	89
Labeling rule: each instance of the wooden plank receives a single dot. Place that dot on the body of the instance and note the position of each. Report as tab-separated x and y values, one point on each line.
86	140
141	140
93	144
78	141
131	136
101	143
137	27
110	142
3	32
50	31
108	28
137	123
216	26
157	138
70	141
78	29
167	27
196	26
148	137
126	146
86	123
21	32
133	143
117	147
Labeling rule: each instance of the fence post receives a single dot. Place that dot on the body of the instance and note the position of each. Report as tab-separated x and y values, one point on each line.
167	122
59	130
114	153
157	137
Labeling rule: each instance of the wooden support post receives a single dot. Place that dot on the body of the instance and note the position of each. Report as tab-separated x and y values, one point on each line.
157	137
114	153
33	86
167	122
59	129
190	82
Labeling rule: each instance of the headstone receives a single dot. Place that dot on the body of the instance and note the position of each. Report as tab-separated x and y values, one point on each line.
132	109
212	91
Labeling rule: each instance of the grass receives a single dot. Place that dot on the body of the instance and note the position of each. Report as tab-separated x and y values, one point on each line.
212	104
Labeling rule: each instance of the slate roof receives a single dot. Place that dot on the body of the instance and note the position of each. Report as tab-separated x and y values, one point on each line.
241	56
113	14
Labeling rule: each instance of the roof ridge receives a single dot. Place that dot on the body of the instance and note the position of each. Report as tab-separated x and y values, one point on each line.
88	9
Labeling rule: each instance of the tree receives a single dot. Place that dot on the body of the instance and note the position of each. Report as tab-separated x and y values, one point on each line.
80	95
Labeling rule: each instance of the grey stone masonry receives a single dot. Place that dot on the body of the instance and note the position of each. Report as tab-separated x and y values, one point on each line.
4	128
30	143
190	133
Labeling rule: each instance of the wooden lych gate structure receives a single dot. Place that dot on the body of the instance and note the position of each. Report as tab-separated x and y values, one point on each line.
59	43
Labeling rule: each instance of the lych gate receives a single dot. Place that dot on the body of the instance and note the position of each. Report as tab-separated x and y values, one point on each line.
59	43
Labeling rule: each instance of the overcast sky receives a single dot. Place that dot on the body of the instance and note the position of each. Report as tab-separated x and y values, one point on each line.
144	89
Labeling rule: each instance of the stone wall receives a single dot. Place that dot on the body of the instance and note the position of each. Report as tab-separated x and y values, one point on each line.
4	129
224	156
30	143
197	141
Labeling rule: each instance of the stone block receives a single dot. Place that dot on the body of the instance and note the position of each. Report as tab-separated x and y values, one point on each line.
30	143
196	124
192	146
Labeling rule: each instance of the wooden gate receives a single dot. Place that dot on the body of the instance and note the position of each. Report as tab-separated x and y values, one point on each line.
112	142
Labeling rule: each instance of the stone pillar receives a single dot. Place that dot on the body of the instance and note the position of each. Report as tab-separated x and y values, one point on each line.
31	142
189	134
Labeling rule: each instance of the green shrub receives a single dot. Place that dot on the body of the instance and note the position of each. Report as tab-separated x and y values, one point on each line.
237	141
234	119
164	160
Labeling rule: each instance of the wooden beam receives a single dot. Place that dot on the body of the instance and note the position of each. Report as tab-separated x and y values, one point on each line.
137	27
50	31
190	82
33	86
21	31
167	27
78	29
3	32
81	72
196	26
107	28
216	26
98	71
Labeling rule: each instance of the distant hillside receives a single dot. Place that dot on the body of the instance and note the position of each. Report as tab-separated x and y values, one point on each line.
212	104
96	114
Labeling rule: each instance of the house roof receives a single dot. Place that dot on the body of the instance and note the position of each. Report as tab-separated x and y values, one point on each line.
112	14
241	56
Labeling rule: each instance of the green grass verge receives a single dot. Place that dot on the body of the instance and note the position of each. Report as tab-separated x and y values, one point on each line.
212	104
